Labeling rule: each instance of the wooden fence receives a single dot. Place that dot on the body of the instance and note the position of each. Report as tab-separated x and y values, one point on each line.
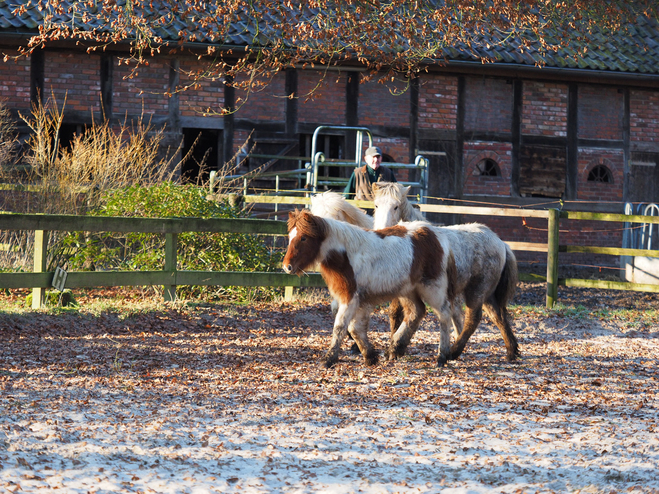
170	277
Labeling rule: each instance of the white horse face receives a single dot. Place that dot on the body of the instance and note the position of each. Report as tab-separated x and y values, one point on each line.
388	211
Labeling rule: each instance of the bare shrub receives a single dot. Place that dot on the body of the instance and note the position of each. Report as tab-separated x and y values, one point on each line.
71	180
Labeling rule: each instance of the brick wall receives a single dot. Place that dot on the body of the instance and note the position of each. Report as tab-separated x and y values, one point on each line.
378	106
501	154
328	103
263	103
206	94
544	109
15	83
600	112
488	105
612	159
644	116
73	76
438	102
142	91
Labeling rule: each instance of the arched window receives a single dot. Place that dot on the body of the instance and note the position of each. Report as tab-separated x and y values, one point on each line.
600	173
488	168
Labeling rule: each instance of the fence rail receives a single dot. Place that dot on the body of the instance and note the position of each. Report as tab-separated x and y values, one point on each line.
170	277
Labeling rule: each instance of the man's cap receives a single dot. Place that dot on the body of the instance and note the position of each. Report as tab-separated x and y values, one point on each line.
373	151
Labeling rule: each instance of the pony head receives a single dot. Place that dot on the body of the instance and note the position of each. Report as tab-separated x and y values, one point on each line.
390	201
306	234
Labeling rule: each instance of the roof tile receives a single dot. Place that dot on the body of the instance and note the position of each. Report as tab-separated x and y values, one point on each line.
635	49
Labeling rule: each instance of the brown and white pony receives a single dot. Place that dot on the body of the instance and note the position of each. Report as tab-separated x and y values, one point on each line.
486	267
333	205
357	266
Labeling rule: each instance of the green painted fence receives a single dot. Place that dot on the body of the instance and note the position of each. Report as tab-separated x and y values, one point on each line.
170	277
39	280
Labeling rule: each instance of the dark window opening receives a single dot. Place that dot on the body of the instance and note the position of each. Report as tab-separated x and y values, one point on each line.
200	151
488	168
600	173
67	134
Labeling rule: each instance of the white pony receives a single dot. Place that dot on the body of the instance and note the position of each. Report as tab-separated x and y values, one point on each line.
392	206
487	269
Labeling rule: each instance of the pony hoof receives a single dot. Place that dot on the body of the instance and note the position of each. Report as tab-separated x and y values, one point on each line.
441	361
455	353
329	363
397	351
371	358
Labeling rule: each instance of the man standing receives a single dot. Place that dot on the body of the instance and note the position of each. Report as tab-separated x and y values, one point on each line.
359	186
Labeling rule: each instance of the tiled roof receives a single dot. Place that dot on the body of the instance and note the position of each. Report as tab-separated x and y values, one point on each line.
634	52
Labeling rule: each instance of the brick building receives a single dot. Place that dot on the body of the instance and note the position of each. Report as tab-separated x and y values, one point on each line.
583	131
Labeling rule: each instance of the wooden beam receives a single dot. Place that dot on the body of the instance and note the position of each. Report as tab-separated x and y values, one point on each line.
609	285
522	213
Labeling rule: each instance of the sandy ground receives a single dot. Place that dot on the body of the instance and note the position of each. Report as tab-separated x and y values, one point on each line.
222	398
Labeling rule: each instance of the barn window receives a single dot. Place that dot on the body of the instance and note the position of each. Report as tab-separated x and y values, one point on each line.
542	171
600	173
488	168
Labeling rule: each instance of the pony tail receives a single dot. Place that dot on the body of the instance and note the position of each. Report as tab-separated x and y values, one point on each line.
505	290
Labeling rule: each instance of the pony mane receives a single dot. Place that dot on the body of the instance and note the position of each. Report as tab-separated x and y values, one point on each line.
351	236
307	223
334	206
399	193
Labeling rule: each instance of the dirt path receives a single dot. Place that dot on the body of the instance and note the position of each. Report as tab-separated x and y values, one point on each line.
219	398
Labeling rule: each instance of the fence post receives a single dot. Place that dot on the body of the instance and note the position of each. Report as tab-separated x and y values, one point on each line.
552	257
171	241
40	251
288	293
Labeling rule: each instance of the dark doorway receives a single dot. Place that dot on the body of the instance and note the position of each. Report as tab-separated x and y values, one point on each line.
67	133
201	150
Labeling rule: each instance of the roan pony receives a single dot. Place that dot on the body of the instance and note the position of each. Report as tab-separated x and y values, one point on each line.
357	266
486	267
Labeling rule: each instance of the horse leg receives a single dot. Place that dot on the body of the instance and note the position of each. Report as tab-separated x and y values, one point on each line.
499	315
344	316
457	317
396	315
443	308
413	309
359	330
354	349
473	317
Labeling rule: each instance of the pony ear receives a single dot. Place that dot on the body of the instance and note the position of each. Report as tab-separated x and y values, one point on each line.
406	190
